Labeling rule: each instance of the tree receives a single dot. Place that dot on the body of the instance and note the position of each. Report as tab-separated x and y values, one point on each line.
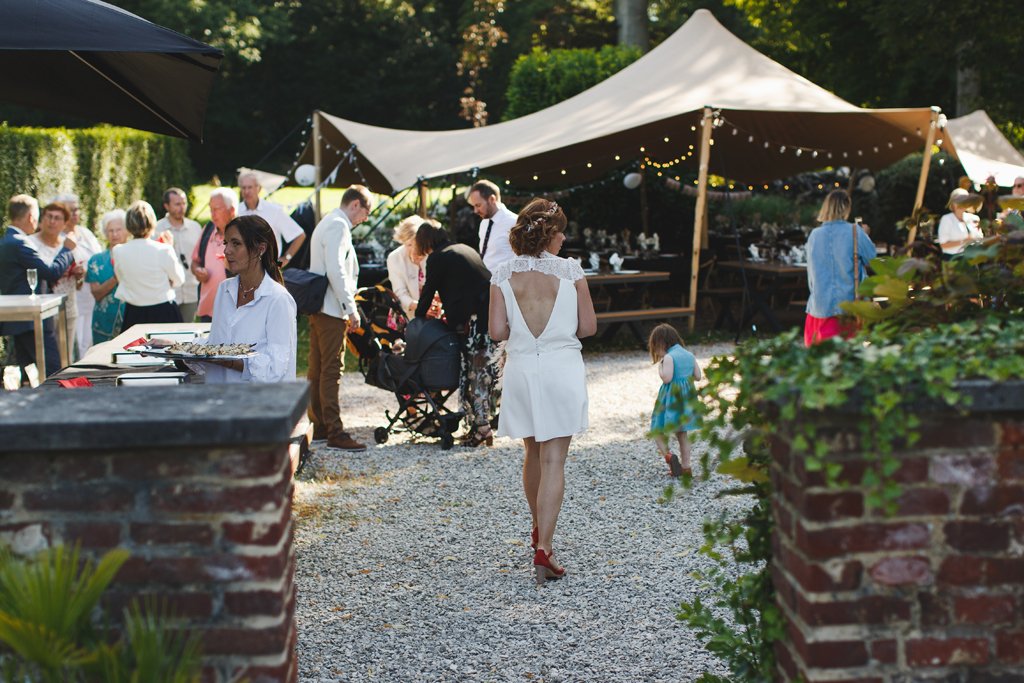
631	15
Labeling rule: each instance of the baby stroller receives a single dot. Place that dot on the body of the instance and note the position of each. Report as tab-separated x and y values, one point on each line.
422	377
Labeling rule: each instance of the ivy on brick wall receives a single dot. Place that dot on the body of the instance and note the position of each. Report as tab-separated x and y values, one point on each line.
106	167
945	321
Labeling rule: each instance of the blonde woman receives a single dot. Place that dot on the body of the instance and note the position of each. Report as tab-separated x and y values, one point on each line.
407	268
147	271
830	267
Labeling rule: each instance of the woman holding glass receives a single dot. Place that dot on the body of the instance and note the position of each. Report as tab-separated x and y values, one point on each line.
108	314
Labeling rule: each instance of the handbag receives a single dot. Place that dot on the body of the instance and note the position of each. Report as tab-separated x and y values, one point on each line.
308	289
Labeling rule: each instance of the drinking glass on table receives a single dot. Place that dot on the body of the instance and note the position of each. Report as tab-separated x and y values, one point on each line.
33	279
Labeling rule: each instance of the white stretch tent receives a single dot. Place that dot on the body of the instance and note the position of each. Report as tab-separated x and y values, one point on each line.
769	122
983	150
659	96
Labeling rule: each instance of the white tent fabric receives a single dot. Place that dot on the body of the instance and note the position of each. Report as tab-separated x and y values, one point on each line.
774	123
983	150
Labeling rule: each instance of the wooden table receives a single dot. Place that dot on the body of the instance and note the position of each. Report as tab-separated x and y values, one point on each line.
759	299
631	317
25	307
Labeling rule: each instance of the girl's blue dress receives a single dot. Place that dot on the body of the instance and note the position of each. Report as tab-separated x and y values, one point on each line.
670	409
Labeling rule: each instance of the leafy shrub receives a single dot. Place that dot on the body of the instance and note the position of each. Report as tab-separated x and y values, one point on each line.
106	167
923	290
47	607
543	78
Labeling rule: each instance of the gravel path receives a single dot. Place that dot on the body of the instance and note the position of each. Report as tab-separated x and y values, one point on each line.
414	563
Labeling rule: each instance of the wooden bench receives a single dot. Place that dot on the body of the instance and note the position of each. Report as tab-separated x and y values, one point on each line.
615	319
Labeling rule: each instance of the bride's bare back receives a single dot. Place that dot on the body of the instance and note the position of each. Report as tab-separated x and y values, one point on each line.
536	294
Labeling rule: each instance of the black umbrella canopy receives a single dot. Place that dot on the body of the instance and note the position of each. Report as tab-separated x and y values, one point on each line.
97	61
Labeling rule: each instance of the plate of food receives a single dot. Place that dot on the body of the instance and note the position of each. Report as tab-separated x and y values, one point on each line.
194	351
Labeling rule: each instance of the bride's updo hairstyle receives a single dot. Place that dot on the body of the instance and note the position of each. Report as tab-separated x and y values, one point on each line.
538	223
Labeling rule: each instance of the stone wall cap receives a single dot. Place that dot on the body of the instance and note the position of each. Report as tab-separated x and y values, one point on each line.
150	417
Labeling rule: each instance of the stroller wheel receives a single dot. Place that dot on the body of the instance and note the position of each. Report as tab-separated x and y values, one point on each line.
380	435
447	441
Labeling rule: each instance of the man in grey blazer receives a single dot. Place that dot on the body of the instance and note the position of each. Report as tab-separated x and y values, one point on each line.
331	253
17	255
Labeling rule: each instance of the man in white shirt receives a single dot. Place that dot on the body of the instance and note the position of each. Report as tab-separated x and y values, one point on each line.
331	253
285	229
485	198
185	234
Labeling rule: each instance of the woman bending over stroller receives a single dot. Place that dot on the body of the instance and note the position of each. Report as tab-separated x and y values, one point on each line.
457	273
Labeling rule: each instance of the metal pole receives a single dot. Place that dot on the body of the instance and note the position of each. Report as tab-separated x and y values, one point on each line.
700	213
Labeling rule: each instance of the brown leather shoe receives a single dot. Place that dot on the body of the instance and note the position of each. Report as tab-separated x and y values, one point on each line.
345	442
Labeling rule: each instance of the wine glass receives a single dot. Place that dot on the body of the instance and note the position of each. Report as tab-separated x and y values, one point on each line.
33	279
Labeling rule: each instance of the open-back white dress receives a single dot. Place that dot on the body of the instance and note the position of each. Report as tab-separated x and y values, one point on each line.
544	388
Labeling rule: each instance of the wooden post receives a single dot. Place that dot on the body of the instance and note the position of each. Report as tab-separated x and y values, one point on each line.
644	215
700	214
423	199
933	126
317	176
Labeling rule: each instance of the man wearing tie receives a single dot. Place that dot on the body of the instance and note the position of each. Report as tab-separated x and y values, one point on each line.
485	198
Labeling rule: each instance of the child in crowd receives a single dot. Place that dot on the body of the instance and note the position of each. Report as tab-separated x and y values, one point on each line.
678	369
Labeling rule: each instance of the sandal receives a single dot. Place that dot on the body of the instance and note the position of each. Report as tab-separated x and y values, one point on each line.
477	438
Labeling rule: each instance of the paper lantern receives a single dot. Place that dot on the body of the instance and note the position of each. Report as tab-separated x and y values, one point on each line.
632	181
305	175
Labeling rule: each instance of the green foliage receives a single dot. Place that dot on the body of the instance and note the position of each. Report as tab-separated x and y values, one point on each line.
770	208
742	587
47	621
921	291
943	322
543	78
107	167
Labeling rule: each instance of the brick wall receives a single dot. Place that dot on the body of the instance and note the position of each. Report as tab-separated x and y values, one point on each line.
932	593
210	530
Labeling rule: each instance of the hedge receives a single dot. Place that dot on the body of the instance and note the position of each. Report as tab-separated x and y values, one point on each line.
106	167
543	78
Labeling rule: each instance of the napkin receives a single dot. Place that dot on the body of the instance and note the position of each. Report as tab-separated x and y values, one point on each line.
615	261
75	382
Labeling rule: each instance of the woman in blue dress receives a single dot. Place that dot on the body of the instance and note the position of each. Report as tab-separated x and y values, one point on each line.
672	413
109	311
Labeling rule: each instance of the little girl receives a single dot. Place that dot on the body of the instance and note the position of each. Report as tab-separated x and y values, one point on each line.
678	369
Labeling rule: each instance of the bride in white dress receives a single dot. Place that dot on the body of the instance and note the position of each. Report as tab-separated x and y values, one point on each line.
541	304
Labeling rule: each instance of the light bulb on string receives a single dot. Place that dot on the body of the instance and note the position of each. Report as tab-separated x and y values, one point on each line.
799	151
750	138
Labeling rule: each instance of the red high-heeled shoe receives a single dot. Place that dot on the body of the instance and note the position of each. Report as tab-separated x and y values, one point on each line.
544	569
534	538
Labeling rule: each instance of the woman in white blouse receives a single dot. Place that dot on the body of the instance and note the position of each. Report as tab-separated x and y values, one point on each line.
147	271
959	227
253	307
407	268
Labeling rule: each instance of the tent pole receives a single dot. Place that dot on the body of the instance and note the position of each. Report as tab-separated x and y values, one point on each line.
317	177
423	199
933	126
699	213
